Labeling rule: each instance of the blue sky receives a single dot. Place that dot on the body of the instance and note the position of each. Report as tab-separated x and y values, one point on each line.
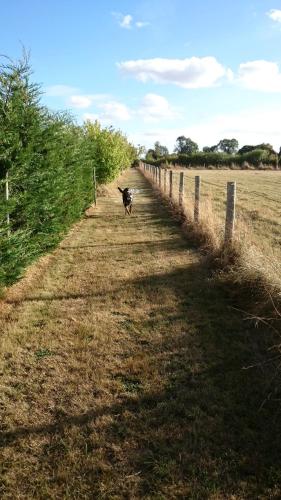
156	69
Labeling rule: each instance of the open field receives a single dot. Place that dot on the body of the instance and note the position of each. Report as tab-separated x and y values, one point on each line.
123	370
258	205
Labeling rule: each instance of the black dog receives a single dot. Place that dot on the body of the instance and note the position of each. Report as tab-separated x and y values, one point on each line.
127	196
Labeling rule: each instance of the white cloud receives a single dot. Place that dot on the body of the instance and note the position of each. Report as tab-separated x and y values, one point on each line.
260	75
155	107
114	110
80	101
92	117
59	90
142	24
187	73
275	15
251	126
110	112
85	101
126	22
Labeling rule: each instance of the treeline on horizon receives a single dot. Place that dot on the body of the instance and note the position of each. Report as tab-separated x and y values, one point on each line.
223	154
48	160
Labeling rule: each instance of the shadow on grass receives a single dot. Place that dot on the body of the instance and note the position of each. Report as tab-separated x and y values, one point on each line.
195	424
155	244
208	430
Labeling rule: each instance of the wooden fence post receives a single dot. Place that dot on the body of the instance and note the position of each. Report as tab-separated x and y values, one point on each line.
197	198
230	211
165	181
160	177
95	187
7	193
181	189
171	184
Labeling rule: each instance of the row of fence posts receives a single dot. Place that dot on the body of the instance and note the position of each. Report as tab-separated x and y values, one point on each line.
159	176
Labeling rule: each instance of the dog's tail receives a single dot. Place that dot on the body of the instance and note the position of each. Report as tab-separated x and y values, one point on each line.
121	190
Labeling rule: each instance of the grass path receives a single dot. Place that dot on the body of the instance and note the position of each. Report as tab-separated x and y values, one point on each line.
121	370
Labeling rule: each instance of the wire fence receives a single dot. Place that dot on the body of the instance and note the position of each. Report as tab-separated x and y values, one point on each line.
251	215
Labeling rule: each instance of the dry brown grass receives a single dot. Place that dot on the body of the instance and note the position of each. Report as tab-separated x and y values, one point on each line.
253	260
121	370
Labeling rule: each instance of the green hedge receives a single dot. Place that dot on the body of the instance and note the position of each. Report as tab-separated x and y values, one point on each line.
219	160
49	161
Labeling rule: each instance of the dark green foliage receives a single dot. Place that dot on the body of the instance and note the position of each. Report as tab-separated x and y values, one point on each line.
265	147
185	145
229	146
160	150
256	158
49	161
151	155
211	149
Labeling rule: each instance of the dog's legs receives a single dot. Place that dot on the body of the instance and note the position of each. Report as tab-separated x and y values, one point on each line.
131	209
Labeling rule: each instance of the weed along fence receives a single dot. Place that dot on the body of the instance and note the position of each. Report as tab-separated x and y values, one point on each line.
175	186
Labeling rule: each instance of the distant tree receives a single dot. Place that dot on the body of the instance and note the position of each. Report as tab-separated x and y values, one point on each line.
140	151
186	145
160	150
150	155
246	149
229	146
264	146
211	149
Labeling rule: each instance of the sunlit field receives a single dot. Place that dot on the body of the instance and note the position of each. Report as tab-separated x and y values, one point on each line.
258	207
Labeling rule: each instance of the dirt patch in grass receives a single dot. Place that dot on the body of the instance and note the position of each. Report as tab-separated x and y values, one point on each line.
123	370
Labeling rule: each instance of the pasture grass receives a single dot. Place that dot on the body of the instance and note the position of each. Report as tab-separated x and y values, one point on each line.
254	258
258	205
125	370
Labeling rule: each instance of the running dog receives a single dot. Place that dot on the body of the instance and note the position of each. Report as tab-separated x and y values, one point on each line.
127	196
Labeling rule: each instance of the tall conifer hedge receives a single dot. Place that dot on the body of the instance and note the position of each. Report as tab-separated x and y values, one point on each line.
49	162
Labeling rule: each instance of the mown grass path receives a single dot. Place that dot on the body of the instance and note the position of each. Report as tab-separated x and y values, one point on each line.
121	372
